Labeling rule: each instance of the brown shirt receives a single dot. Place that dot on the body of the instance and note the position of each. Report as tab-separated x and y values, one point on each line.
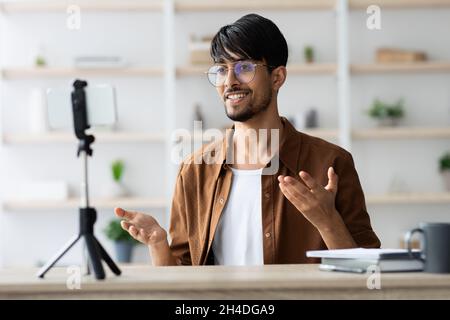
202	190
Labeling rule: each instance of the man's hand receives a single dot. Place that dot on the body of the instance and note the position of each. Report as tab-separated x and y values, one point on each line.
314	201
142	227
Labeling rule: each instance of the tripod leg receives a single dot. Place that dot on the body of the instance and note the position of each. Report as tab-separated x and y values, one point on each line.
41	273
94	256
108	259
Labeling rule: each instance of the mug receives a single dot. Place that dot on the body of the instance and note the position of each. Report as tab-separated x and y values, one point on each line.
435	246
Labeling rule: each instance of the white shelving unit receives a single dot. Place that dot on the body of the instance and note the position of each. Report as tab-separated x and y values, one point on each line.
343	70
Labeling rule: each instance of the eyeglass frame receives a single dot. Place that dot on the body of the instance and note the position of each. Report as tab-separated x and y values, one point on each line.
234	64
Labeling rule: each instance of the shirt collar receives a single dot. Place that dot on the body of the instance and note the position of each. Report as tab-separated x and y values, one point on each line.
289	147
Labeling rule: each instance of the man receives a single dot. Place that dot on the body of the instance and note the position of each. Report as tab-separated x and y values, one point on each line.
241	212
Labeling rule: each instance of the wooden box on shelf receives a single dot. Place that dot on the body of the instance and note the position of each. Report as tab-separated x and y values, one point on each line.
390	55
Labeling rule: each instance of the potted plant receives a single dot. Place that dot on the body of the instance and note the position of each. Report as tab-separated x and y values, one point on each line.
308	52
116	188
123	241
444	166
387	114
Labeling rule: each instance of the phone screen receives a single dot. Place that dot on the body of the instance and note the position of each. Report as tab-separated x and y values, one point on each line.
100	103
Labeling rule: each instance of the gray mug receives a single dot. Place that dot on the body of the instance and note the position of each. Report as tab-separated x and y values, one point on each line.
435	246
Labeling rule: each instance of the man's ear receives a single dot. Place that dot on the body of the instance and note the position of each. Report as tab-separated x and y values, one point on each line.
278	77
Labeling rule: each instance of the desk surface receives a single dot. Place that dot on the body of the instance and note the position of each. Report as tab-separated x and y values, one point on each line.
219	282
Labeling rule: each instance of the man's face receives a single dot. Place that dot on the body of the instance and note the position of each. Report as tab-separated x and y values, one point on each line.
244	99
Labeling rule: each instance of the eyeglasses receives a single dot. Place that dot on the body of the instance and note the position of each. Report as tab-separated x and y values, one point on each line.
244	71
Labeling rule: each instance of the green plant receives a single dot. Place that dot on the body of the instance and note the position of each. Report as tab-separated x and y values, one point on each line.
117	168
308	52
40	61
383	110
115	232
444	162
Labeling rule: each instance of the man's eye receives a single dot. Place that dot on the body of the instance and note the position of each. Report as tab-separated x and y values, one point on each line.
245	67
221	70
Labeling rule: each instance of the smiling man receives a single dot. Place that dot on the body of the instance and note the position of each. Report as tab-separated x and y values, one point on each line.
245	210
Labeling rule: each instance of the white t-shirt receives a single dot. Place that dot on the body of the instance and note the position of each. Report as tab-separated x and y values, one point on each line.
238	238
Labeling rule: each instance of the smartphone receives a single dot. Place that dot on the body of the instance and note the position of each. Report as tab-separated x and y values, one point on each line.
100	104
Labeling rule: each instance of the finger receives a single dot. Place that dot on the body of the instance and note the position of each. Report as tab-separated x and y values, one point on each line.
133	231
125	225
291	194
280	178
297	186
121	213
333	180
309	181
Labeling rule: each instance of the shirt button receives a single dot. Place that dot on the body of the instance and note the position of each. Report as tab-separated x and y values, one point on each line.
267	195
221	201
268	235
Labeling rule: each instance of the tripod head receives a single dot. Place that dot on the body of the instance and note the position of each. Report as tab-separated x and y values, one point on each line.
80	117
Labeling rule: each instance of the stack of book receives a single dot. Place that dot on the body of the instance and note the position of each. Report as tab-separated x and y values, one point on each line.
360	260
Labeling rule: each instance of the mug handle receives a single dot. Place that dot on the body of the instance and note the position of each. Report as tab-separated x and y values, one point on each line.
408	237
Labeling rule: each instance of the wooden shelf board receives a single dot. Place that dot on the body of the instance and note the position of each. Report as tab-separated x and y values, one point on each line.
202	5
18	73
402	133
399	4
400	67
67	137
73	203
93	5
410	198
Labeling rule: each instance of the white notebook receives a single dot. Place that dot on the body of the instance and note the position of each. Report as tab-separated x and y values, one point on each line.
363	253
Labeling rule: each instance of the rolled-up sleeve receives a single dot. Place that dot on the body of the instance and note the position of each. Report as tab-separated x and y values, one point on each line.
178	227
350	203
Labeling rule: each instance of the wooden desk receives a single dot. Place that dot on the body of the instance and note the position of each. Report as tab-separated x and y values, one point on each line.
218	282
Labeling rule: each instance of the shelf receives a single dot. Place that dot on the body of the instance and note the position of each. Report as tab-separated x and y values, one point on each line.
44	72
400	67
297	69
93	5
402	133
410	198
399	4
68	137
211	5
322	133
73	203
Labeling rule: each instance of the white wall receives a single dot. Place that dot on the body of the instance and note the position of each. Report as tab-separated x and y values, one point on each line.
29	237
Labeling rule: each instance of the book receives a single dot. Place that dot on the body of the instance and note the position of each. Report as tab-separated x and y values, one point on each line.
360	259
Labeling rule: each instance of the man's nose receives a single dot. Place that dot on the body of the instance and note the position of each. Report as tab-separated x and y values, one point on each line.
231	79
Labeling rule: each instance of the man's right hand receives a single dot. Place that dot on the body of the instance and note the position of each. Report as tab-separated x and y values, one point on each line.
142	227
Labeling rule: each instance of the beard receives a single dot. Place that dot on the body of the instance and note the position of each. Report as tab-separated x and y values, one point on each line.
248	111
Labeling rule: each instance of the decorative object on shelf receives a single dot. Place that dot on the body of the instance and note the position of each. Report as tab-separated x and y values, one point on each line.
391	55
99	62
444	167
308	53
199	50
123	241
38	57
116	189
387	114
38	120
398	185
306	119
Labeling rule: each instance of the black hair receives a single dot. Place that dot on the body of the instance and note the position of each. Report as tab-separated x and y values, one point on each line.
251	37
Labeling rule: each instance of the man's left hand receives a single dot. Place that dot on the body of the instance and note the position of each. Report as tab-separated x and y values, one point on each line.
315	202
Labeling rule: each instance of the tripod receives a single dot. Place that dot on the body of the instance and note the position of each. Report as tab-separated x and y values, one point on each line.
88	215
